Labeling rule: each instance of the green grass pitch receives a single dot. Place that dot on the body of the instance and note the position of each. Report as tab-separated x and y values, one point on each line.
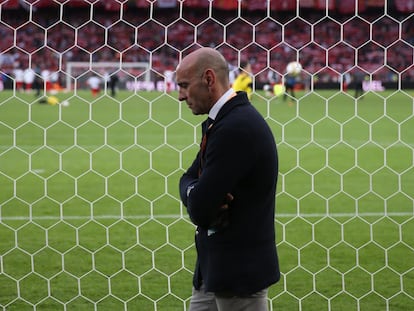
90	217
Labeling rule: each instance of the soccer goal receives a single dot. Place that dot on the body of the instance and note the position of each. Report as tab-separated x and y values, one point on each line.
131	75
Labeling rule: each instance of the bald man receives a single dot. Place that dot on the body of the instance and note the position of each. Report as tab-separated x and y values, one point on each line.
229	190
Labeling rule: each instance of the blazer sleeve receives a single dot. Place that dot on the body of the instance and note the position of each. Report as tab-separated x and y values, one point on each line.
190	177
188	180
226	163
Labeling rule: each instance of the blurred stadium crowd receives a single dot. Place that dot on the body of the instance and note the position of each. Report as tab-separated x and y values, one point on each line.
326	45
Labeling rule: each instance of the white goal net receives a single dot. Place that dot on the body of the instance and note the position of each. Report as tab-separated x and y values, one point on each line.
90	216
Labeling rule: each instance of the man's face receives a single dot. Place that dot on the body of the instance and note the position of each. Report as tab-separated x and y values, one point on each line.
193	90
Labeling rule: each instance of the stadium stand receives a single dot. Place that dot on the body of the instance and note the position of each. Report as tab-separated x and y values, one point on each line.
108	37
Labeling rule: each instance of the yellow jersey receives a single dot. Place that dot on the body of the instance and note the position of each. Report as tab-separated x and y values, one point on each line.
244	83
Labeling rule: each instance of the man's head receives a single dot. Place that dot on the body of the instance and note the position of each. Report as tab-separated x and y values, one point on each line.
202	78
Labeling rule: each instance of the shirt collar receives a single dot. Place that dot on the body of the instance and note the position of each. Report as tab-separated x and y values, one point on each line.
222	100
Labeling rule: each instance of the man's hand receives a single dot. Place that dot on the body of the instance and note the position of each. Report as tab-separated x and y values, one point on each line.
227	200
222	220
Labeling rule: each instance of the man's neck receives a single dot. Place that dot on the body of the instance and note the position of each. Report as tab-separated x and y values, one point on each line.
220	102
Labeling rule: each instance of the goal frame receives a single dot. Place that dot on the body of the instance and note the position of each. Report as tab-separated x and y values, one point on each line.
93	66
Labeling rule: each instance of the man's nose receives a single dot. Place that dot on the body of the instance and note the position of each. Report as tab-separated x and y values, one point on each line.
181	95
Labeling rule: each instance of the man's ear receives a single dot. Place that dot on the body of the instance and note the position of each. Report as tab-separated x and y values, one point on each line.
210	77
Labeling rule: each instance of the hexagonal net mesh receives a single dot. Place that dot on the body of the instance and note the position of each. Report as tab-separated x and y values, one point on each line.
93	142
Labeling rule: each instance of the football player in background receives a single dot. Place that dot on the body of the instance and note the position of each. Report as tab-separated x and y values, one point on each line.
94	84
293	70
244	81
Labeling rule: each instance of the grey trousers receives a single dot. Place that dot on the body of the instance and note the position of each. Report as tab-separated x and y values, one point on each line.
205	301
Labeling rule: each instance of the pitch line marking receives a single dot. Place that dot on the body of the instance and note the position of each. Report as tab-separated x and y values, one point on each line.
166	216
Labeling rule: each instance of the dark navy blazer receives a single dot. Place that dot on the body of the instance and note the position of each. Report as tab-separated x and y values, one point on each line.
236	249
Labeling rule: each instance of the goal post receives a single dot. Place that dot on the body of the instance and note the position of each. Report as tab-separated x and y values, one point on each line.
128	72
